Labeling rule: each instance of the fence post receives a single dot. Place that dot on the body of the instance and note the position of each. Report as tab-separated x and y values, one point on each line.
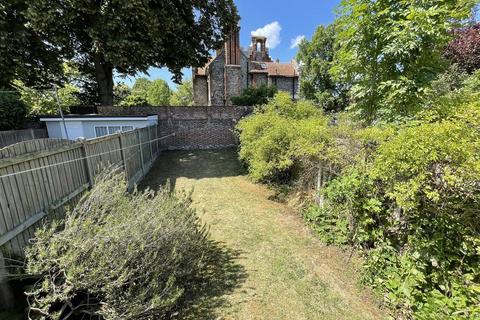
6	296
157	142
141	151
32	133
150	142
88	169
124	156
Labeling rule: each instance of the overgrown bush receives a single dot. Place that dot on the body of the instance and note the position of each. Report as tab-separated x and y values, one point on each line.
253	96
278	135
118	256
406	194
410	201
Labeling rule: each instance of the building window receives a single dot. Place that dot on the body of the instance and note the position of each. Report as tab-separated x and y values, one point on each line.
101	131
114	129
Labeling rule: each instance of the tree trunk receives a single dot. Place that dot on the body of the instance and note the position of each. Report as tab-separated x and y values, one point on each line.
104	76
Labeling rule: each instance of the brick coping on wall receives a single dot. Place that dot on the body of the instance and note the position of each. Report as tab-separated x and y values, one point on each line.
192	112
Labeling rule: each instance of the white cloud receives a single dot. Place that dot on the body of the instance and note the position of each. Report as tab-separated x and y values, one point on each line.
296	41
272	32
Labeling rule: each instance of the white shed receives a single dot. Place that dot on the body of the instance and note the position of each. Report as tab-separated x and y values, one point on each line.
93	126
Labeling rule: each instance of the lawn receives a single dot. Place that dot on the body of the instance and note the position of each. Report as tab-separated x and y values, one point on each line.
275	268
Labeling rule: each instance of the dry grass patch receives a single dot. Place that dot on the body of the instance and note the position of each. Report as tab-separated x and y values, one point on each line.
289	273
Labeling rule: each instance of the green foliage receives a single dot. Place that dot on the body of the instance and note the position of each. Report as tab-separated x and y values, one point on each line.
23	54
138	94
405	194
279	134
158	93
118	255
331	226
127	37
390	51
140	87
12	111
315	58
409	198
120	92
254	96
44	102
147	92
183	96
133	100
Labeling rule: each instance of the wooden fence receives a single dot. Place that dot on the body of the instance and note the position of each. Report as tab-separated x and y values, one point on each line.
13	136
42	180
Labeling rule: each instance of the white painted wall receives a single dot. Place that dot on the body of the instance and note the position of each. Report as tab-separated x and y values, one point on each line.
85	127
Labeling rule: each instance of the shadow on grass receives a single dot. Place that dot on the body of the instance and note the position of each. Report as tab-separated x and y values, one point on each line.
223	273
207	292
172	165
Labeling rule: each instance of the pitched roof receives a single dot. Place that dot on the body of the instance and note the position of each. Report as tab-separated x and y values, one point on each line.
282	69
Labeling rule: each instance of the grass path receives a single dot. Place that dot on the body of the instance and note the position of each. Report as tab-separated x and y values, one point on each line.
288	273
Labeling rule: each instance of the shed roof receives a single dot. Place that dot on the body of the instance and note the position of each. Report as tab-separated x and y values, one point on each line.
96	117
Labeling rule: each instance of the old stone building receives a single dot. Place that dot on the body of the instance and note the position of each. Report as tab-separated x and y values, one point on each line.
233	70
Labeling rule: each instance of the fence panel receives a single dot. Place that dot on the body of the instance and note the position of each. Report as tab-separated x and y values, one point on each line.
41	178
13	136
132	154
103	152
31	185
29	146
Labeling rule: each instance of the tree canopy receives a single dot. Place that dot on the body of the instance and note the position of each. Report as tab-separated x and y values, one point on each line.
159	93
23	53
390	51
129	36
146	92
183	95
315	58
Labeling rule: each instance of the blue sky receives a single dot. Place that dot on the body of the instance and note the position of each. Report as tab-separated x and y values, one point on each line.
281	20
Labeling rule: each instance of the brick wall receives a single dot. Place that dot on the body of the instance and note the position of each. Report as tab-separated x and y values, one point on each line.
195	127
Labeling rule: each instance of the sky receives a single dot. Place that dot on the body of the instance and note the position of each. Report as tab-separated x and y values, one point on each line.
281	21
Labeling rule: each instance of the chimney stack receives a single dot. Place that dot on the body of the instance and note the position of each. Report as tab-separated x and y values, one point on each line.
232	48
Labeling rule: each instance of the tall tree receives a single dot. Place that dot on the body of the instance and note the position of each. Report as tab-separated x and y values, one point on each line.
23	54
129	36
391	50
140	87
183	96
315	58
158	93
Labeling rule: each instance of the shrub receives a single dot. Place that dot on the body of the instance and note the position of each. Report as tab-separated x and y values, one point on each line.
279	135
406	194
411	202
117	255
12	111
253	96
